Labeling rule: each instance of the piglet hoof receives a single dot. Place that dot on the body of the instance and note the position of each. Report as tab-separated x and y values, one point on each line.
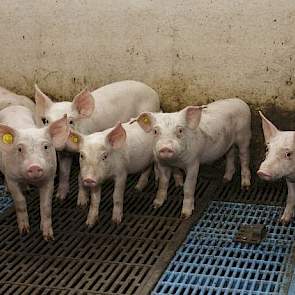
48	236
286	217
158	203
91	221
47	232
186	213
24	228
117	220
62	192
226	179
141	184
178	181
117	216
246	184
246	187
138	187
284	220
82	203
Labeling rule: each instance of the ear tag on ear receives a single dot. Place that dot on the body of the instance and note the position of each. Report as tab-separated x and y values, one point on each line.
146	120
74	138
7	138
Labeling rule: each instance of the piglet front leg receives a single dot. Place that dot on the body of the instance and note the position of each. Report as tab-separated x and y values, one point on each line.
164	174
83	198
20	206
290	206
93	213
118	198
189	190
46	192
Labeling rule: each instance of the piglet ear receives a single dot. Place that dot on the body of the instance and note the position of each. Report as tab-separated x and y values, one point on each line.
59	132
193	116
74	141
7	137
43	102
146	121
117	137
84	103
269	129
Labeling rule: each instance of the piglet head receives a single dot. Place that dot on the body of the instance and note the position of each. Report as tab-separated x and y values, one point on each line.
99	153
172	131
30	153
48	111
280	157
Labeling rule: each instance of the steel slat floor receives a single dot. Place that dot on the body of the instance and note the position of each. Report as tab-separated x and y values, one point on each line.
127	259
106	259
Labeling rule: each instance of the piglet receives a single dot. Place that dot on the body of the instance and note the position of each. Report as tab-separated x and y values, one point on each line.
27	156
197	135
111	154
279	162
8	98
95	111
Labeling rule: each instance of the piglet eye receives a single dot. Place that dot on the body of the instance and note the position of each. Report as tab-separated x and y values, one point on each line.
288	155
45	147
155	131
179	131
71	122
20	149
81	156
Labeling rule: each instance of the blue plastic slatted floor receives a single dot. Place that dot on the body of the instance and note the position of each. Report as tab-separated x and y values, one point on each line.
209	262
5	200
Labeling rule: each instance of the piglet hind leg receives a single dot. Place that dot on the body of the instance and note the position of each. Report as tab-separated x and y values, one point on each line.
189	190
178	177
143	179
164	177
289	209
93	213
20	206
118	198
65	163
46	192
244	153
229	165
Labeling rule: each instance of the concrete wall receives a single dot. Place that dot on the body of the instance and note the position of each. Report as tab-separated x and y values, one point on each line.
191	51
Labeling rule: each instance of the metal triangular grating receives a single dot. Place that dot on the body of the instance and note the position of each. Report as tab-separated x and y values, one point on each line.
107	259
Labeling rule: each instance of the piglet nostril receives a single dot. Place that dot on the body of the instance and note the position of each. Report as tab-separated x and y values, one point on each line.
35	171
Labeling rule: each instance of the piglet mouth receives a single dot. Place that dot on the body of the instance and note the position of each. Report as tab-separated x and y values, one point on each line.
35	179
265	175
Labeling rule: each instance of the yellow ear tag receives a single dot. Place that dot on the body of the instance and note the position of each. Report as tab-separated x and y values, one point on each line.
146	120
7	138
74	138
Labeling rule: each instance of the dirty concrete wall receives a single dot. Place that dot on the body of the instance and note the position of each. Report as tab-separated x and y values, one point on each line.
190	51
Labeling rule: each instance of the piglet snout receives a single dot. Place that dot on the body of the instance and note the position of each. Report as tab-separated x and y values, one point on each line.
89	182
34	171
166	153
264	175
